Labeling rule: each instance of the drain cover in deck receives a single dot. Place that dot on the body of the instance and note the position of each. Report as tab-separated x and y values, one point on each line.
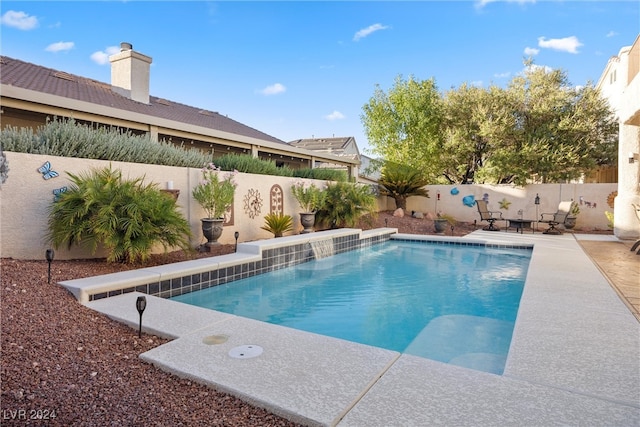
245	351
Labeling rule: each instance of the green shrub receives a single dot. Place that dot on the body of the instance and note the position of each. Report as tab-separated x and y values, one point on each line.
277	223
250	164
127	217
310	198
4	167
609	216
345	203
66	138
322	174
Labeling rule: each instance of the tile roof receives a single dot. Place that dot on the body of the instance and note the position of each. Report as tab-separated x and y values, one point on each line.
25	75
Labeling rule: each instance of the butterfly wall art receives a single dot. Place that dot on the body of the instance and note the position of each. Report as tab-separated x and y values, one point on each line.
57	192
47	172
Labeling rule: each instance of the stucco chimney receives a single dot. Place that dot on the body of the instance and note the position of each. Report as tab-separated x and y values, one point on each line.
130	73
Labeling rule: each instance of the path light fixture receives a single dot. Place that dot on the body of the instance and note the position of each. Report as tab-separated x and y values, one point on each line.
386	222
49	256
141	304
236	235
452	230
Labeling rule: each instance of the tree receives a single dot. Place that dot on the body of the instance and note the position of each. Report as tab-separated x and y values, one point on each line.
552	132
400	182
404	126
537	128
472	115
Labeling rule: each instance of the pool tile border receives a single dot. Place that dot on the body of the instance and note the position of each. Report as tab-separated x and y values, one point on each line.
252	258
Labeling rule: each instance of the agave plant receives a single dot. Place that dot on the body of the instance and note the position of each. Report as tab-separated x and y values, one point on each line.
277	223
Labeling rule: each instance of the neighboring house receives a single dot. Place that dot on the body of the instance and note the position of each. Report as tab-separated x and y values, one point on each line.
30	94
344	147
620	85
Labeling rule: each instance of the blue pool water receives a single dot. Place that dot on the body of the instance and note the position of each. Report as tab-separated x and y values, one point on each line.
451	303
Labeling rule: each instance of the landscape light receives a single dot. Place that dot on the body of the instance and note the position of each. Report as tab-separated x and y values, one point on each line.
49	256
141	304
236	235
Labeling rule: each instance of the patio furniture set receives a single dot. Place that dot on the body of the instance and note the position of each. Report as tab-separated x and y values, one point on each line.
551	219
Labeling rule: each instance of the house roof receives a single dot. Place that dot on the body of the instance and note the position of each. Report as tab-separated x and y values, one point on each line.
25	75
329	145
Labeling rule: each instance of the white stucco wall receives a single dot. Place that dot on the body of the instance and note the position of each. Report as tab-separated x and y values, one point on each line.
25	197
592	199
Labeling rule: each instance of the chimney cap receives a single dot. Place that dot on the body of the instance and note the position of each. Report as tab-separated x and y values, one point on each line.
125	46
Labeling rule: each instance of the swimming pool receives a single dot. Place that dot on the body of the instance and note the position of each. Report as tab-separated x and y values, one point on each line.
451	303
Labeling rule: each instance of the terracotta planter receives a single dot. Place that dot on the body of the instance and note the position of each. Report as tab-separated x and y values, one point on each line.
212	230
308	220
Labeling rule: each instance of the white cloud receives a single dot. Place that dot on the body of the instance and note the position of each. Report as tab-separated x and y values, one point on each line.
273	89
102	57
482	3
533	67
611	34
502	75
336	115
19	20
60	46
567	44
369	30
531	51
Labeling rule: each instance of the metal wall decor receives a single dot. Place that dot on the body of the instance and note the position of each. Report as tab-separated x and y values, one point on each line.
57	192
276	200
253	203
47	172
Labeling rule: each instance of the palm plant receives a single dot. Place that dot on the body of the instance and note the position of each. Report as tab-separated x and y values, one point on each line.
277	223
345	203
400	182
127	217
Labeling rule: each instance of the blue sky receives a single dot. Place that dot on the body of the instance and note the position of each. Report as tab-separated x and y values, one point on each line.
302	69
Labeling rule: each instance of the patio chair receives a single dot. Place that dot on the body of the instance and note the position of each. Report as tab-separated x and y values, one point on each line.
636	245
489	216
556	218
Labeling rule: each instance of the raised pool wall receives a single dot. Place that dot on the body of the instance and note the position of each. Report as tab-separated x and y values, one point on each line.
251	259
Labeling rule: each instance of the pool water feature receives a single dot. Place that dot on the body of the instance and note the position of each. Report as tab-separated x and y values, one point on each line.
451	303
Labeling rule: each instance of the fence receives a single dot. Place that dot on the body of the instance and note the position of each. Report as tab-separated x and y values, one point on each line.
26	195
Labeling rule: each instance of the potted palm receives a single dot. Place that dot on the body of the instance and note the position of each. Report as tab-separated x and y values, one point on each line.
215	194
310	198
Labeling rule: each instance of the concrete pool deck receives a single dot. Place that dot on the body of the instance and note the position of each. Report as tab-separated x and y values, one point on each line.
574	357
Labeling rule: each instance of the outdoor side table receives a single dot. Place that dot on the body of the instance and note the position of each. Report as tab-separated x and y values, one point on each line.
520	224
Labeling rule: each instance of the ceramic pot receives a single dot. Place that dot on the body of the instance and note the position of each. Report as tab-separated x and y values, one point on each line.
212	230
308	220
